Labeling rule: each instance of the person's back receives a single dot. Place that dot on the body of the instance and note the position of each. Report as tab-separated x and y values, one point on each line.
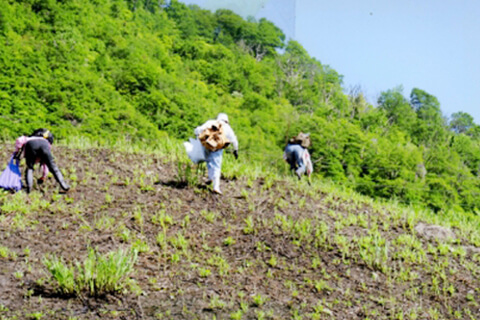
226	128
214	138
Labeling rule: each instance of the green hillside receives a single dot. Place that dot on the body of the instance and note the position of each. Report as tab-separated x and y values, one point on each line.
141	71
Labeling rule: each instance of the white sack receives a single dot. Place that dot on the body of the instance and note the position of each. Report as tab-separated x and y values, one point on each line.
195	150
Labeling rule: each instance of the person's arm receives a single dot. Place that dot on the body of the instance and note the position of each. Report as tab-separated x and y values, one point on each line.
19	143
44	174
44	171
308	162
232	138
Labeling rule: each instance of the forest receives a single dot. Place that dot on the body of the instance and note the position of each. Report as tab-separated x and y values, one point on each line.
144	71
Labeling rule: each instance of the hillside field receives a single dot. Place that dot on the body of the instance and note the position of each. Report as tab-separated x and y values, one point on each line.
269	248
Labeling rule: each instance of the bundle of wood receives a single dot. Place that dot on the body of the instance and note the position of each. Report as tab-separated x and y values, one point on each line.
214	138
302	139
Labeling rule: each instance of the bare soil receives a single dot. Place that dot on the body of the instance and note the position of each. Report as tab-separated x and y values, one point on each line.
268	272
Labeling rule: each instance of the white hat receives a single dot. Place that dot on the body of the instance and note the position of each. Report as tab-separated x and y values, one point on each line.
222	117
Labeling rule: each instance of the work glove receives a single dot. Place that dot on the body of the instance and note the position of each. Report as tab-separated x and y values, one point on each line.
235	153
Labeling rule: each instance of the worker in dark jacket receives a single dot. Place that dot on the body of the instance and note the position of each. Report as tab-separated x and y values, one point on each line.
37	149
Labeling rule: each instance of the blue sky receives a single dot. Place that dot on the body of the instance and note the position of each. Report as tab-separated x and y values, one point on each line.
379	45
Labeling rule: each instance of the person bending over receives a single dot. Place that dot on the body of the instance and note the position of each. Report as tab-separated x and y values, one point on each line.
37	149
298	158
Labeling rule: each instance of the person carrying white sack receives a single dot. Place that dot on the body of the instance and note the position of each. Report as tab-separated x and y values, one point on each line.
216	135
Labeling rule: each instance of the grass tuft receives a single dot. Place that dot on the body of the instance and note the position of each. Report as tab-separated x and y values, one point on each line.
97	274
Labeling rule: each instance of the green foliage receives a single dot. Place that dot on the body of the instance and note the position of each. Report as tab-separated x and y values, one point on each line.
398	109
97	275
430	129
188	173
140	71
461	122
61	273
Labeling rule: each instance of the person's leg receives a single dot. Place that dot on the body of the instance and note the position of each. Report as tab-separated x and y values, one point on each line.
289	157
214	165
47	158
29	178
30	157
292	162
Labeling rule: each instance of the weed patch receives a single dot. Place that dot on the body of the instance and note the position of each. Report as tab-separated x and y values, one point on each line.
97	275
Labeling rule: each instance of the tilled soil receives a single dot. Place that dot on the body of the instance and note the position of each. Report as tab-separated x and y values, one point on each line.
238	261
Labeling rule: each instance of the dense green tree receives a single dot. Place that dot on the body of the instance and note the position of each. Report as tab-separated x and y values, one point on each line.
431	125
398	109
461	122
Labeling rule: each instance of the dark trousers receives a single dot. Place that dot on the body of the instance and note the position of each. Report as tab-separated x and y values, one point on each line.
39	149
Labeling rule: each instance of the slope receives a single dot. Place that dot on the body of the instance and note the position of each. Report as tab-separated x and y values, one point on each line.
270	248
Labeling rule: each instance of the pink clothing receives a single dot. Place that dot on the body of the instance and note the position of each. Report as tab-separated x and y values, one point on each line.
20	142
308	162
